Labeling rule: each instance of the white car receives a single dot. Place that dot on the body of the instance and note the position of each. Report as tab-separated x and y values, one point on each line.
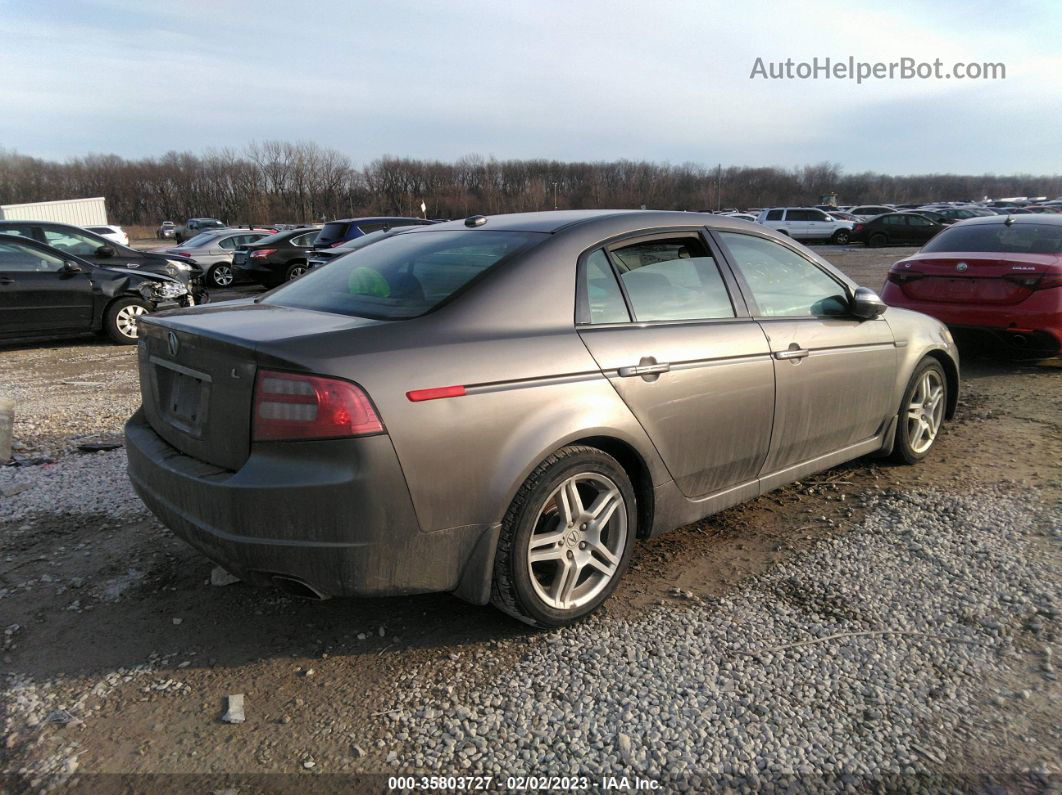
864	212
806	223
741	216
113	233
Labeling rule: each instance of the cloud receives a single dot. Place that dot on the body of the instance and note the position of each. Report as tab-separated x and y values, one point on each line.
589	80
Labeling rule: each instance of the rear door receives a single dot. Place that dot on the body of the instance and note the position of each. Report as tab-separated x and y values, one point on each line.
834	373
37	296
797	224
668	328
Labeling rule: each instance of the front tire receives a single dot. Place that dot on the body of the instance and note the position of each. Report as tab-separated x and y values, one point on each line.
921	413
221	275
566	539
121	320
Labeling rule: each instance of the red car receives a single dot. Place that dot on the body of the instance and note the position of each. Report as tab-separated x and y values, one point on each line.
998	276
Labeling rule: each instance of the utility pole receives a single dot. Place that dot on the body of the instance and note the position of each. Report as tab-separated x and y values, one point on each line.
718	186
554	195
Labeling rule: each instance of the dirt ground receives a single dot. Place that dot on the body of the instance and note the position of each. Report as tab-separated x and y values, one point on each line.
144	674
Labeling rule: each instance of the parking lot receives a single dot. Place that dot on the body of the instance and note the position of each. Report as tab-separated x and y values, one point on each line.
874	621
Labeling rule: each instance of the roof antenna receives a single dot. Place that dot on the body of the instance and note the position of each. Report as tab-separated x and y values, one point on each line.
1009	221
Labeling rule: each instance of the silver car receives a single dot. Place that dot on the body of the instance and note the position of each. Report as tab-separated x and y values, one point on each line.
501	407
213	252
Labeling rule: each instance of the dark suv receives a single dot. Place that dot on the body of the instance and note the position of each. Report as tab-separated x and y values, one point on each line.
335	232
106	253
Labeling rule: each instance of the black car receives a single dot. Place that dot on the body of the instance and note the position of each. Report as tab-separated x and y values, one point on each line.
321	256
47	292
81	243
335	232
275	259
896	229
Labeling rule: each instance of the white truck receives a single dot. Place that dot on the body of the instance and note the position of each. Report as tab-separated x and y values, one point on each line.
77	212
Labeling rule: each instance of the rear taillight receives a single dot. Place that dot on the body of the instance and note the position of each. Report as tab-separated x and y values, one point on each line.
291	406
182	253
1045	282
262	253
903	277
333	245
857	228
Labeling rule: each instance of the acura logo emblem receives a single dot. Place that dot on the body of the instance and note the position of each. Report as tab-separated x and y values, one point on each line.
172	343
961	267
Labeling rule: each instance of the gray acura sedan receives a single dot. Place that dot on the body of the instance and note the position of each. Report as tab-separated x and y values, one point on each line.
500	407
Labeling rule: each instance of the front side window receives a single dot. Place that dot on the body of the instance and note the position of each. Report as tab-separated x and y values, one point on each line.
602	291
917	220
26	259
783	283
672	279
73	242
402	276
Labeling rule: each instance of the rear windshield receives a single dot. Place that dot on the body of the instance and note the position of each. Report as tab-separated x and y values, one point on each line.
210	222
331	233
199	240
999	238
403	276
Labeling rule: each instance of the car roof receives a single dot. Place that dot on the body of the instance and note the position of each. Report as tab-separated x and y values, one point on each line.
362	219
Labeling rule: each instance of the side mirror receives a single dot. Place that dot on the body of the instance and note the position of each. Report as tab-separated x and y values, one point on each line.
866	304
105	251
71	267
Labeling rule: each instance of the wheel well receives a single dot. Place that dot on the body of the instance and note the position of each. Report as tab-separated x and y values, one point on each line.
951	372
636	470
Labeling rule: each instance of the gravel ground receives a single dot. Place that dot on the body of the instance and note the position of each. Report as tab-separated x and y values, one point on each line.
930	595
118	655
86	483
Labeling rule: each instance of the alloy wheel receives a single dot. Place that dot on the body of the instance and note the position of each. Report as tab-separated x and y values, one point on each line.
925	412
295	272
577	544
126	320
222	275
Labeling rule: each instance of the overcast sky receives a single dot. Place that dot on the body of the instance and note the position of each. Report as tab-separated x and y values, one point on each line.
586	80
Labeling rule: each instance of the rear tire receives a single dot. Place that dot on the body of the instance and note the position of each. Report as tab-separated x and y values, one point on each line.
877	240
557	560
120	321
921	414
220	275
841	237
295	270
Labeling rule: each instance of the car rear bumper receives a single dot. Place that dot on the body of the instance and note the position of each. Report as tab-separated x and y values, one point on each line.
1034	324
327	518
255	271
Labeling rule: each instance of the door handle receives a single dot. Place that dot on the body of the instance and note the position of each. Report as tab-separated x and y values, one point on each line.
644	369
792	353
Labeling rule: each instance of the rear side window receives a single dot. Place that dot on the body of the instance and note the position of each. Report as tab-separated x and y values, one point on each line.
774	215
332	233
402	276
999	238
602	291
674	279
303	241
783	283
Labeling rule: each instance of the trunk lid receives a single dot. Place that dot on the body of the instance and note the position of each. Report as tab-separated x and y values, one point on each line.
197	371
1003	278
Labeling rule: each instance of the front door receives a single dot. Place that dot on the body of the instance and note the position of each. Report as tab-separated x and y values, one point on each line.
37	296
670	332
834	373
